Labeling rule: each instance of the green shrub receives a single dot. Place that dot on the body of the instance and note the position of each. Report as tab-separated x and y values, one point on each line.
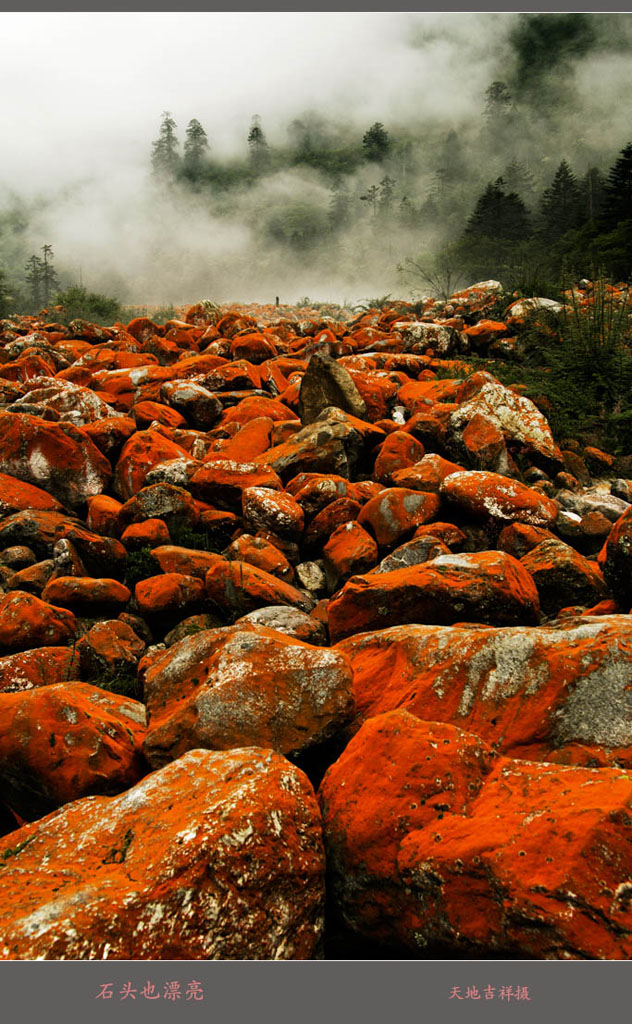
140	565
79	303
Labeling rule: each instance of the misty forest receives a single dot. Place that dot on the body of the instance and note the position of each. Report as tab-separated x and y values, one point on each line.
316	489
530	187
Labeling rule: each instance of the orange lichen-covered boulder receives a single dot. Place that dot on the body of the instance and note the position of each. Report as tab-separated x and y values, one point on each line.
516	416
551	885
254	406
86	593
335	442
489	587
396	513
518	539
36	529
333	515
17	496
27	622
221	481
481	443
236	588
272	511
528	691
426	475
146	413
174	505
242	686
151	534
187	561
563	577
39	667
397	775
349	550
109	648
461	849
398	451
102	556
57	457
103	515
261	553
144	450
169	593
65	741
493	496
249	813
291	621
615	559
109	435
251	440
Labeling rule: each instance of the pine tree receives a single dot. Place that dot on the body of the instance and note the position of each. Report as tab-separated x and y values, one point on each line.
387	186
339	205
258	145
498	101
617	194
561	204
499	215
49	274
518	178
376	143
592	194
34	272
165	159
195	148
371	197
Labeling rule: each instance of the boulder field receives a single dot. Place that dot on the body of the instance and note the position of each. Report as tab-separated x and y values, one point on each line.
312	636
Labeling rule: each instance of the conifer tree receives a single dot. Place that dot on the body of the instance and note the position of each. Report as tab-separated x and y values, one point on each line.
617	194
499	214
48	273
195	148
165	159
376	142
258	145
561	204
34	269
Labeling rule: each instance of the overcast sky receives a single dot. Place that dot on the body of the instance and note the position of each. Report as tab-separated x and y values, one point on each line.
82	91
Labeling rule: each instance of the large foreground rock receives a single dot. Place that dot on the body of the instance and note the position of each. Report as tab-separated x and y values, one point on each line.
489	586
431	840
65	741
56	457
553	693
217	856
243	685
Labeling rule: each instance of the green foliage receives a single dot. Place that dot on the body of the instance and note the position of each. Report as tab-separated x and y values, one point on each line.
195	150
579	366
187	537
122	680
376	142
561	204
165	159
140	565
77	301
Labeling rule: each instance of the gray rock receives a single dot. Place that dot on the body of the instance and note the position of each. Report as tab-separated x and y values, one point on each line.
325	384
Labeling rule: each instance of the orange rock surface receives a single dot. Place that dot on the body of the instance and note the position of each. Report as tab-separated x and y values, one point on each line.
249	813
